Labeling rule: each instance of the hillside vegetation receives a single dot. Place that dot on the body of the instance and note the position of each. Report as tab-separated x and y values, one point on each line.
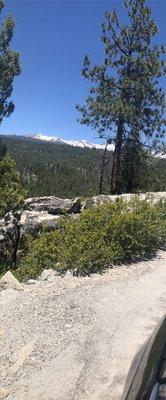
99	237
55	169
66	171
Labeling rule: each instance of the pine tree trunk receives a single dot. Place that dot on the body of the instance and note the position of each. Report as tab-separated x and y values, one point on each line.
116	166
133	161
102	170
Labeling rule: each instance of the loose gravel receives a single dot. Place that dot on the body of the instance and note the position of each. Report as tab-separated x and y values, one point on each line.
74	338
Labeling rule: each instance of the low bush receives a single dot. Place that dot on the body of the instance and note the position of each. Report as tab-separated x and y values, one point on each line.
102	236
136	233
42	254
4	266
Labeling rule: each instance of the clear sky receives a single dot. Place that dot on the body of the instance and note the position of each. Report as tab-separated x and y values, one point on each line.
52	37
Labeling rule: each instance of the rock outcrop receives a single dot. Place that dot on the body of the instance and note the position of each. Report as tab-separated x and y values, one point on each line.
53	205
37	214
32	222
47	275
40	213
152	197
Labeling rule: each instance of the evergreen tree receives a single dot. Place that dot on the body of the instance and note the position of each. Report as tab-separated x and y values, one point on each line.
125	101
138	168
10	193
9	65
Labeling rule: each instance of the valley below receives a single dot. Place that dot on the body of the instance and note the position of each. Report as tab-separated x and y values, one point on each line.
74	338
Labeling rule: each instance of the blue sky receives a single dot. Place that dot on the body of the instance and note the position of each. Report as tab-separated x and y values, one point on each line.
52	37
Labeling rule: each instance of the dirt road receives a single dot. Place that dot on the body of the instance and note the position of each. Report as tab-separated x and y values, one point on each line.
74	338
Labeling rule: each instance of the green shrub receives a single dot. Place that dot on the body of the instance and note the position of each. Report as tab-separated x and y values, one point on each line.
133	234
4	266
101	236
42	254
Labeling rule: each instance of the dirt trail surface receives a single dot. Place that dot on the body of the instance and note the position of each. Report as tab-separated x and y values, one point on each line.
74	338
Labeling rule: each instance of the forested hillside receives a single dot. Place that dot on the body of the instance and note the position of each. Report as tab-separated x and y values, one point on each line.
55	169
66	171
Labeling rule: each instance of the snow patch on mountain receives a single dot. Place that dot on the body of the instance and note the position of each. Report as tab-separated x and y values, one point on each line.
75	143
159	155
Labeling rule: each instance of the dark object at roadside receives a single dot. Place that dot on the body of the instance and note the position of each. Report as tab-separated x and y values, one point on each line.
147	375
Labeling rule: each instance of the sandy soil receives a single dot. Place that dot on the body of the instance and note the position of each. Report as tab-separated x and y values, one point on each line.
74	338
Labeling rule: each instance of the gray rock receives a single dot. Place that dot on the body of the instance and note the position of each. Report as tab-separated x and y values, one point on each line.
103	199
53	205
32	222
47	275
8	281
71	272
4	393
152	197
31	282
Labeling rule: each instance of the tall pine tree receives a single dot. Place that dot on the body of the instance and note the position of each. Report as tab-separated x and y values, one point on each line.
10	191
9	65
126	102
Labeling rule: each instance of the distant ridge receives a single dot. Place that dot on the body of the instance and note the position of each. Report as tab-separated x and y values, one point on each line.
75	143
80	143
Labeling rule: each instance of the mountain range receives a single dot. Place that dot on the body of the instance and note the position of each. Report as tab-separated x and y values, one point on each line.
76	143
50	166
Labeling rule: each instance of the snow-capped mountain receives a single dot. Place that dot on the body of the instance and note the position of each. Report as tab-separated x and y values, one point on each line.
75	143
159	155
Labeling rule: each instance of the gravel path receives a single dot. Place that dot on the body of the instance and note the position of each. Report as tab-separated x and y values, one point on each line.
74	338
